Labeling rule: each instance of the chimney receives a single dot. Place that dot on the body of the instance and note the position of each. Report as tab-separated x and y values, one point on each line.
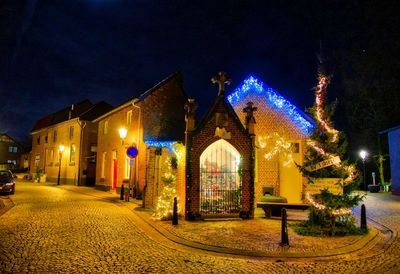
70	111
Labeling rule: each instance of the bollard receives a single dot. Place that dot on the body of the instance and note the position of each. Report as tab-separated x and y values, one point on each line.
175	212
126	196
122	193
284	231
363	217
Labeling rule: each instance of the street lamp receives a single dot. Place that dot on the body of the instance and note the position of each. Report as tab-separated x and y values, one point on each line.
61	148
122	134
363	155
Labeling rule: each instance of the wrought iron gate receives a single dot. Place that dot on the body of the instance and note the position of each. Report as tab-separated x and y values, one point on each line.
220	179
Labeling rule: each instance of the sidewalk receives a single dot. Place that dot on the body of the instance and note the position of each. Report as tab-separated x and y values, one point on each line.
259	237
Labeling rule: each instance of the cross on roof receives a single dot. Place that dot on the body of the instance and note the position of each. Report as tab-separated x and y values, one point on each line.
221	79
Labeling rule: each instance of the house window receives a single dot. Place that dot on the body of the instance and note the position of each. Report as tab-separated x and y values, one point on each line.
103	164
72	155
38	140
105	127
49	157
295	147
71	132
13	162
55	136
12	149
127	167
46	139
129	117
37	160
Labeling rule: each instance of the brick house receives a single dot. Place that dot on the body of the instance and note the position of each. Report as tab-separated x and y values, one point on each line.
74	130
10	152
219	162
280	131
153	122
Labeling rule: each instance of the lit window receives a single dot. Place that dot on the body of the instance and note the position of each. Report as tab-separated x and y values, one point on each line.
51	156
71	132
129	117
37	160
14	162
103	164
72	155
127	167
105	127
10	149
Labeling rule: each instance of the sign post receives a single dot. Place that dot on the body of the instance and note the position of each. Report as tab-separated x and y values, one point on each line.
132	152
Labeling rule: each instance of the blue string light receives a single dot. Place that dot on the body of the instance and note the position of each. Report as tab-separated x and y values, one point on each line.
252	86
154	143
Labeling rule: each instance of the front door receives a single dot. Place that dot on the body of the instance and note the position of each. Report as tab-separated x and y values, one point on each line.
289	175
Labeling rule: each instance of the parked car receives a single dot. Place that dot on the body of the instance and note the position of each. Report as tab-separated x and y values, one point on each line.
7	183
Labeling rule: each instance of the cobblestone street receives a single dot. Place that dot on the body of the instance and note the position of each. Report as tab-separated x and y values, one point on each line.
52	229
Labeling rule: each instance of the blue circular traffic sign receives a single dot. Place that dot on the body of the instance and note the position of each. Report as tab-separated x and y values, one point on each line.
132	152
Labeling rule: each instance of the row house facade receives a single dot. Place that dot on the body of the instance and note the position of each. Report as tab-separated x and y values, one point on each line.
151	122
11	153
64	144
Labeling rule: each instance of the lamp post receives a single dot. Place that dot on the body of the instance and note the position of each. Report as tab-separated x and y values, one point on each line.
363	155
61	148
122	134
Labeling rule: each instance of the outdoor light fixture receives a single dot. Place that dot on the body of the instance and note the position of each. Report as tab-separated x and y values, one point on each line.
363	154
61	149
122	134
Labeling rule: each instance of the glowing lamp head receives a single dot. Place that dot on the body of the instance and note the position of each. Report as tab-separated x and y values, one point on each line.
363	154
122	133
61	148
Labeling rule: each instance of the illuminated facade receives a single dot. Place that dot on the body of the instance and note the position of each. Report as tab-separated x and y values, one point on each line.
74	129
280	132
154	122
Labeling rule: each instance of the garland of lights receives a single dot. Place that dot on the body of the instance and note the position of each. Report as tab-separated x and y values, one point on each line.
320	95
165	202
320	102
252	86
281	146
154	143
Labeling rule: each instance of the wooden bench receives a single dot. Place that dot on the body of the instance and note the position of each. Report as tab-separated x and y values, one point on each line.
275	209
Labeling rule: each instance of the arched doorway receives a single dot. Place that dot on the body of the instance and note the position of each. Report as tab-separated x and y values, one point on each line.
220	179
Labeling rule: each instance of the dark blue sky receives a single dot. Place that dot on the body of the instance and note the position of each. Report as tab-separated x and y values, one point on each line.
56	53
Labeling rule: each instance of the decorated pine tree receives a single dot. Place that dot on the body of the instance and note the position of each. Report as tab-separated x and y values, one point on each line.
165	202
331	179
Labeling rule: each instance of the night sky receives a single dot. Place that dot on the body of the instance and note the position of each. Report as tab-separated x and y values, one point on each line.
56	53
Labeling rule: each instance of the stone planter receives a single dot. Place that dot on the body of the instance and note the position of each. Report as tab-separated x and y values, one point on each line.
374	188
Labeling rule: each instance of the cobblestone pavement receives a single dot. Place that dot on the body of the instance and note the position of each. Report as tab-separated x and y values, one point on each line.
54	230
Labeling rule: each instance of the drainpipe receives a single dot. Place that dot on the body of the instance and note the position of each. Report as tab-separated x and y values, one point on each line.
82	126
137	144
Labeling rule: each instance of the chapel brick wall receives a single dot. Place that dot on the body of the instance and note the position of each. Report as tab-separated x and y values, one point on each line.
269	120
240	139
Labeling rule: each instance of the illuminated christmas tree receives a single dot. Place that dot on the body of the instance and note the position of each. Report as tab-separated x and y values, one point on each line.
324	159
165	202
